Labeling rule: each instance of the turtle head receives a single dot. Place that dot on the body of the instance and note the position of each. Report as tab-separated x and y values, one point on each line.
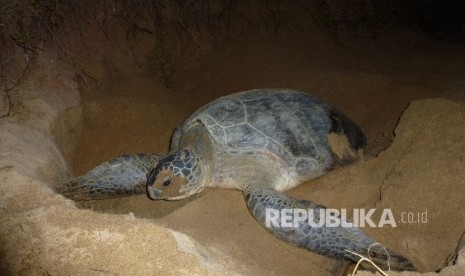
175	177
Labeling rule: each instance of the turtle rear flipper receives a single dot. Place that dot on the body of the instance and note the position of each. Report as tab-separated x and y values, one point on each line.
304	227
122	176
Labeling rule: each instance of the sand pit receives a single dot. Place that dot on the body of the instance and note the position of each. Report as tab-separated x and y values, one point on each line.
43	233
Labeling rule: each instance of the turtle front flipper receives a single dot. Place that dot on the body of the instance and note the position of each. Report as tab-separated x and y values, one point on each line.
288	219
122	176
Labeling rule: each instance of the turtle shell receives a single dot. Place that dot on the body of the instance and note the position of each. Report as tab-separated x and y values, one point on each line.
289	126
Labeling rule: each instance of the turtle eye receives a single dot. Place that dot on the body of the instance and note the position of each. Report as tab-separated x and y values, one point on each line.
373	254
167	182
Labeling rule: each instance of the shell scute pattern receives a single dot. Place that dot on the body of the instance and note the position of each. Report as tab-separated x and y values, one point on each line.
218	133
226	113
244	137
290	126
278	150
305	165
273	119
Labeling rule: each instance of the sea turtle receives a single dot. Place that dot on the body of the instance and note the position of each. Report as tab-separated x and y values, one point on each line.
262	142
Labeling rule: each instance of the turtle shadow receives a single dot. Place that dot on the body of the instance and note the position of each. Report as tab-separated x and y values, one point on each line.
140	206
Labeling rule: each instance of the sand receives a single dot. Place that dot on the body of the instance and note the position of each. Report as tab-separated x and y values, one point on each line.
126	111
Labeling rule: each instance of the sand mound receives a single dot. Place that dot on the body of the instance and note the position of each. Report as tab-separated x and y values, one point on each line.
45	234
421	174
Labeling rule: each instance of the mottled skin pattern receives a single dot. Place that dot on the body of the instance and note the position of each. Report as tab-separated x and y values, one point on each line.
121	176
328	241
183	164
261	142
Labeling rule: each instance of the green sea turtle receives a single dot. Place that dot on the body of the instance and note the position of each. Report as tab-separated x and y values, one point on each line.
261	142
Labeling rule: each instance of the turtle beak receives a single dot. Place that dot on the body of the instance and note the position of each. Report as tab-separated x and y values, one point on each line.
153	193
